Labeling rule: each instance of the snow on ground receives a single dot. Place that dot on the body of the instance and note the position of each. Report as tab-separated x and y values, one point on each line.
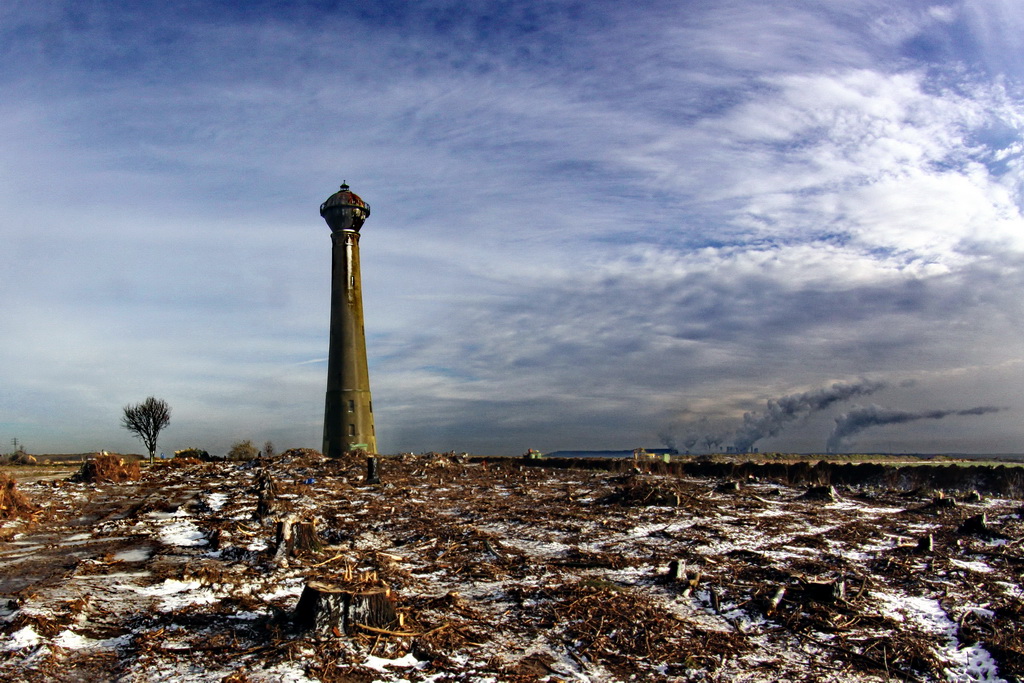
506	573
965	662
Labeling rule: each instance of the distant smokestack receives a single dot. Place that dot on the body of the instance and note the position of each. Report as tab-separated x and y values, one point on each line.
863	417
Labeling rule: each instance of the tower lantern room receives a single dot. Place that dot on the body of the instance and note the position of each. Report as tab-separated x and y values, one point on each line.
345	210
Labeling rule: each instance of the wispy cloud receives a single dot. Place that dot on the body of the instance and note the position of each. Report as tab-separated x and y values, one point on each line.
591	223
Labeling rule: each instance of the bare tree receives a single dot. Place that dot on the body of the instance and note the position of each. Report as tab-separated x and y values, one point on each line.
145	420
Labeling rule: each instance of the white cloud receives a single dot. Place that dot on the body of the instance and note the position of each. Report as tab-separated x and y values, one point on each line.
582	225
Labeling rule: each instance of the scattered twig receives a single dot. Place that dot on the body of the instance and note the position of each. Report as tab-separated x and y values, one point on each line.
320	564
386	632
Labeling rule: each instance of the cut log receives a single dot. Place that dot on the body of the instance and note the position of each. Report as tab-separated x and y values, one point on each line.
373	608
331	610
776	600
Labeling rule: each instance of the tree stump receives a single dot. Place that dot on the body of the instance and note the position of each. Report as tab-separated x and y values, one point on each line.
728	487
220	539
372	473
825	592
926	544
266	494
305	539
331	610
294	538
978	524
823	493
677	572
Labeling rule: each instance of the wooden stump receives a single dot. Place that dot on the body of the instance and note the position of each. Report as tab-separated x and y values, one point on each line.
332	610
941	501
978	524
728	487
372	473
266	494
825	592
926	544
305	538
294	538
220	539
822	493
677	572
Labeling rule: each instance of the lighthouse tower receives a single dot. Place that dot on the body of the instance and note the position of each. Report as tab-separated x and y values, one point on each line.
348	411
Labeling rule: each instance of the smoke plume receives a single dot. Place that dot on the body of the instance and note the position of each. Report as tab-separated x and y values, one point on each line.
781	411
667	440
863	417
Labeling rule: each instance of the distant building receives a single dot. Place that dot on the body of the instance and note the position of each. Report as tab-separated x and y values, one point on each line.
653	452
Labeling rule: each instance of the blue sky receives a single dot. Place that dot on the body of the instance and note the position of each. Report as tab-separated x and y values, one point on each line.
595	225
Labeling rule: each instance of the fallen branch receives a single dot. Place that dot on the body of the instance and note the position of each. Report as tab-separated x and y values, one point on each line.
385	632
320	564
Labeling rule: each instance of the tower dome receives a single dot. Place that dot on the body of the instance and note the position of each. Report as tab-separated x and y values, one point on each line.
344	210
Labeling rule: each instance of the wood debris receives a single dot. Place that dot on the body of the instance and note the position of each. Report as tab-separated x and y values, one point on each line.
449	569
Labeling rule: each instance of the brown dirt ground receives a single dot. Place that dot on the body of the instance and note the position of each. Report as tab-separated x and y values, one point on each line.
509	572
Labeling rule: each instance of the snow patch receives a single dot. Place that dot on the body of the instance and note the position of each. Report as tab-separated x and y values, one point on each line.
216	500
134	555
69	640
381	665
176	594
182	533
966	663
23	638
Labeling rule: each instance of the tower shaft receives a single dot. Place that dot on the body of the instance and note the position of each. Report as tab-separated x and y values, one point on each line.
348	411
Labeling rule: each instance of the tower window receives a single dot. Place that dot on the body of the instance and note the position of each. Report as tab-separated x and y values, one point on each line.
351	430
351	406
